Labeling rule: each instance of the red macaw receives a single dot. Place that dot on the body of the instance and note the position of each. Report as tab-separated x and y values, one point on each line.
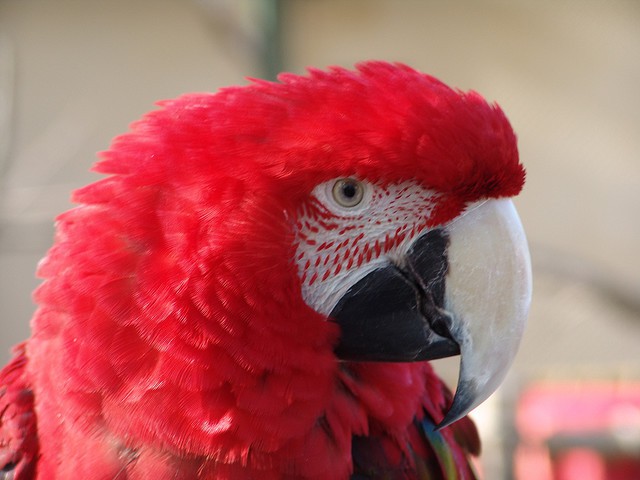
254	290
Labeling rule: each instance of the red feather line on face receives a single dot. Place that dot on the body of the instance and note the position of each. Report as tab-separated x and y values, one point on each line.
332	245
174	291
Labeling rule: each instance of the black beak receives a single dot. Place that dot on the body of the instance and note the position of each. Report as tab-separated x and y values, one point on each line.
396	312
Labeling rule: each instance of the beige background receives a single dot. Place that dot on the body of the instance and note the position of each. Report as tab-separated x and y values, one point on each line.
74	73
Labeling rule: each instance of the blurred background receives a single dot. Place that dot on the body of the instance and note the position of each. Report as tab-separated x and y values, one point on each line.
74	73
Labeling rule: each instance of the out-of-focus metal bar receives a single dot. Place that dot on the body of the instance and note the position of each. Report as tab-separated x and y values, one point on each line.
273	55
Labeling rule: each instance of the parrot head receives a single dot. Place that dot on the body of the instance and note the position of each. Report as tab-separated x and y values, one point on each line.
289	226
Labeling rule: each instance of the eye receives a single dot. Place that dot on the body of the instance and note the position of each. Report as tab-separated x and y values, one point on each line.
348	192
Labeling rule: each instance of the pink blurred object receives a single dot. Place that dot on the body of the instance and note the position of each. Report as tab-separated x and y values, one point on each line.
579	431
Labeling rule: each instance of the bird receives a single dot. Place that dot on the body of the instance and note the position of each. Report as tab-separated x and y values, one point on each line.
256	287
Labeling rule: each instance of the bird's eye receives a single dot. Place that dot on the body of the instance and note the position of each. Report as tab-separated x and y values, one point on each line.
348	192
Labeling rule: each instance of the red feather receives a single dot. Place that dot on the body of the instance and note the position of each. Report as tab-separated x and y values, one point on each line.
18	436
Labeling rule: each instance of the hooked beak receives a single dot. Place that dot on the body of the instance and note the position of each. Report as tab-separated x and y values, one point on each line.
461	289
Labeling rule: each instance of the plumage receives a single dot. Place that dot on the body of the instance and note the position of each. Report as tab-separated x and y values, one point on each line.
18	441
183	329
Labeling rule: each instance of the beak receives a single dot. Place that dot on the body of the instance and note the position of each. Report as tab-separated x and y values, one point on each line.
461	289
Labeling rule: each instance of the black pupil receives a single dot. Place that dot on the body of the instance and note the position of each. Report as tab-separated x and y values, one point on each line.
349	190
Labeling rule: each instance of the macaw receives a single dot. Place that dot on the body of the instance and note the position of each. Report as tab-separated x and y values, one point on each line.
256	287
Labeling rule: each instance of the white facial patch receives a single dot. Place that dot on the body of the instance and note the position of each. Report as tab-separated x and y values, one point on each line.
339	245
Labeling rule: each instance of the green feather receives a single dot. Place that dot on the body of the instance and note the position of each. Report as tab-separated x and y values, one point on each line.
441	449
